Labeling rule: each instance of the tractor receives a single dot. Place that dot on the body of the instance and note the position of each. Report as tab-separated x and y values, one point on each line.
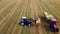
51	21
29	21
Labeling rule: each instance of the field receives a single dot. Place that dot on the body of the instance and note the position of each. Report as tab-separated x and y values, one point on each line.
12	10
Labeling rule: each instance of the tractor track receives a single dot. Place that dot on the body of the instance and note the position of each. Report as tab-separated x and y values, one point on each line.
54	7
12	28
6	7
35	28
3	15
24	28
21	16
42	25
3	21
17	26
10	15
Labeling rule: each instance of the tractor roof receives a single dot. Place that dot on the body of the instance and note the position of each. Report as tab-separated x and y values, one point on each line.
53	19
24	17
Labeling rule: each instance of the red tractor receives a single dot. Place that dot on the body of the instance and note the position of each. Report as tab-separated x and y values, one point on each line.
51	22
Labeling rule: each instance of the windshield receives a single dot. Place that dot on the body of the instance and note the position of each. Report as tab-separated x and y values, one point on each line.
53	22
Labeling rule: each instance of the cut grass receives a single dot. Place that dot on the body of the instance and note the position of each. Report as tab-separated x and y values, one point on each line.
25	30
8	23
6	12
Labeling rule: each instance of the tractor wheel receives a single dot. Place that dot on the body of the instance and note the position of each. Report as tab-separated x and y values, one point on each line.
22	24
29	25
57	29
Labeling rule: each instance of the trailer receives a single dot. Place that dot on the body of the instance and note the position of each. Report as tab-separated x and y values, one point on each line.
51	22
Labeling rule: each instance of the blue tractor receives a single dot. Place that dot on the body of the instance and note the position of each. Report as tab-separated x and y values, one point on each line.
25	21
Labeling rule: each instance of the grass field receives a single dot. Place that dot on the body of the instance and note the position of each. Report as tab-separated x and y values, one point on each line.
12	10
